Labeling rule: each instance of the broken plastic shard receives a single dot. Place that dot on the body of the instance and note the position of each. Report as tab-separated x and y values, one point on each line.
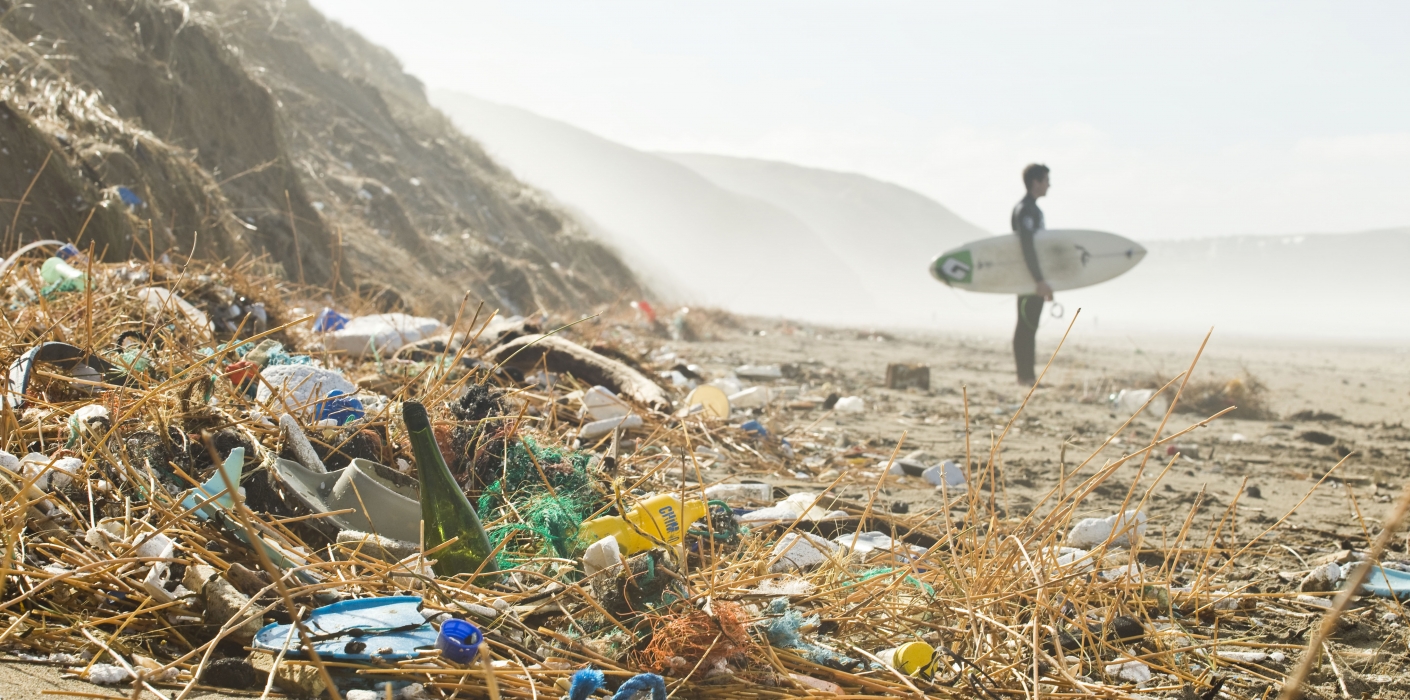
395	508
600	403
800	551
759	372
599	428
221	485
1388	583
602	554
161	302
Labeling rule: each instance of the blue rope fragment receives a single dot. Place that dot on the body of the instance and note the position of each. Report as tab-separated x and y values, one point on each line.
640	683
584	683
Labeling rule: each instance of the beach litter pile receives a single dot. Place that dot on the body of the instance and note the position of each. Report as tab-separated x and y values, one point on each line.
213	478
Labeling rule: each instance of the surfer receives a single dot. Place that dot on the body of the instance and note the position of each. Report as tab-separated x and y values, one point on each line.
1027	220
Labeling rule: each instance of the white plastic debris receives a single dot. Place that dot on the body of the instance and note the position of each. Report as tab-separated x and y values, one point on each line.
798	505
302	386
598	428
799	551
61	475
599	403
1314	600
764	372
380	333
91	421
108	674
948	476
1127	401
602	554
1093	532
850	404
729	385
1322	579
785	586
866	542
753	397
1250	657
160	302
1073	557
740	494
1130	671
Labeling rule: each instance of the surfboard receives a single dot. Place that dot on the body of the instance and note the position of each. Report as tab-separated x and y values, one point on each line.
1069	259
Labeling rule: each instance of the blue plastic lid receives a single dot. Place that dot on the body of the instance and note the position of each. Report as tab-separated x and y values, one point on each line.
340	407
459	641
329	320
756	428
68	252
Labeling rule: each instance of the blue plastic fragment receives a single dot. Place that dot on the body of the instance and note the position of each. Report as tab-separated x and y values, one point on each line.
329	320
459	641
340	407
226	479
1388	583
585	682
68	252
755	428
129	197
641	683
387	629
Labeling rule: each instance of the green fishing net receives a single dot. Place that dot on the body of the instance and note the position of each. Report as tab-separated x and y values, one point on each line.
544	521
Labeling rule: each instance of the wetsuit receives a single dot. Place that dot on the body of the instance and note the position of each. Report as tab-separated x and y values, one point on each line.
1027	219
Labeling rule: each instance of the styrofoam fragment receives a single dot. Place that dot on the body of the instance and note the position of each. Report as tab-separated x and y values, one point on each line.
300	386
1093	532
850	404
108	674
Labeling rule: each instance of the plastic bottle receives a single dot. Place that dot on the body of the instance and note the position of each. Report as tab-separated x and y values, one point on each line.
911	658
660	516
60	276
445	513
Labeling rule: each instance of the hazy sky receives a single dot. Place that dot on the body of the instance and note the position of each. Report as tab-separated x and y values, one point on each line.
1160	120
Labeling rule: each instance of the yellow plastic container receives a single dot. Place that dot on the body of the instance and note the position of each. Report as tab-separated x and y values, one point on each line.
660	516
911	658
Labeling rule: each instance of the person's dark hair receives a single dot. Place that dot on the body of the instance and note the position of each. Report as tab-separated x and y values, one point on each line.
1033	173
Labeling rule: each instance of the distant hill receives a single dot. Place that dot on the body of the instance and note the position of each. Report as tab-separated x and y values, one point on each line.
686	237
885	231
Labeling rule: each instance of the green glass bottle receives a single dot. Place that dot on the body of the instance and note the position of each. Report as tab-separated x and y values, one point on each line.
445	513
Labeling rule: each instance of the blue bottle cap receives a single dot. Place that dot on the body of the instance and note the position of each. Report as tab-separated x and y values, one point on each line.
459	641
68	252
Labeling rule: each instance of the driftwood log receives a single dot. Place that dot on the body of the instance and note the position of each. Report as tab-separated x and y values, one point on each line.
564	356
